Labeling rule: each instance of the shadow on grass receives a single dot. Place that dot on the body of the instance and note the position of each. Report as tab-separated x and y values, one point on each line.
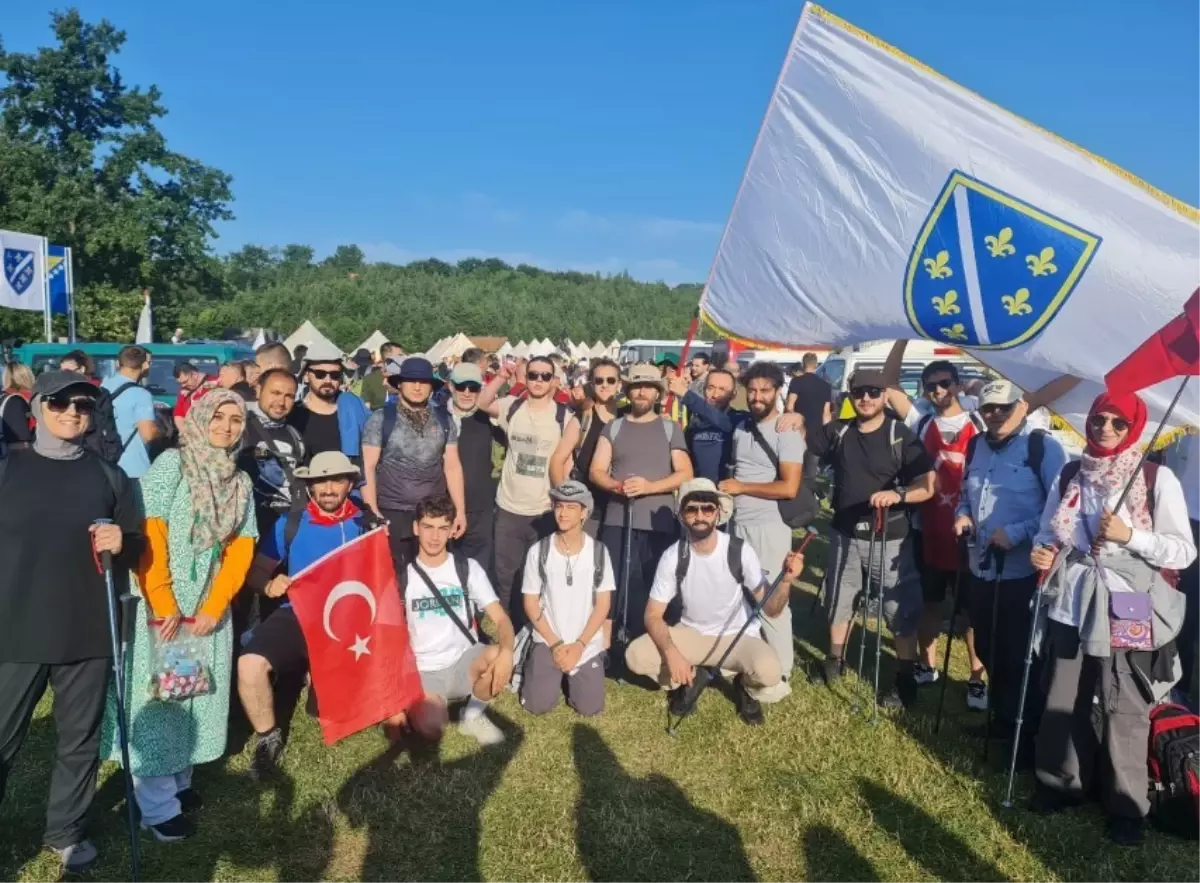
23	806
423	817
646	829
828	855
945	855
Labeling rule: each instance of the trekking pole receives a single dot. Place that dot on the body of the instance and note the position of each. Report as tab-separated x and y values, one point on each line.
118	645
881	529
998	554
1012	760
865	604
626	564
962	554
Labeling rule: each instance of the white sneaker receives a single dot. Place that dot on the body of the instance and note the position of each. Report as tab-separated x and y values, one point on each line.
77	857
770	695
925	674
482	730
977	696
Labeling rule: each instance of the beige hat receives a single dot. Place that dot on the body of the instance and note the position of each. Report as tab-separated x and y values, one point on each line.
644	373
322	351
328	464
999	392
705	486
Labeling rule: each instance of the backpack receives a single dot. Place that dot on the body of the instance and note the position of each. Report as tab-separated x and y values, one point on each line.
597	566
799	511
734	560
391	413
1034	456
4	402
102	438
1172	764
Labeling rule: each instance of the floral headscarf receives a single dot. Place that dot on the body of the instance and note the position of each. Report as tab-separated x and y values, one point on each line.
218	498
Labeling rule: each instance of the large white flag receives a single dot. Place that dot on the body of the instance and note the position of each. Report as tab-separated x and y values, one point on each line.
23	281
884	201
145	326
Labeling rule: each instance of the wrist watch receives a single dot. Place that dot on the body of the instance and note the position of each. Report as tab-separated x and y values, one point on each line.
903	492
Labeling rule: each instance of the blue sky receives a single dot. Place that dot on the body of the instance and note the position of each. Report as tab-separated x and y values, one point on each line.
601	135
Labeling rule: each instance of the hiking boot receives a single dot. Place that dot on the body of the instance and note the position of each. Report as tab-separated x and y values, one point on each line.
1046	801
827	672
77	857
1124	831
977	695
678	704
925	674
267	750
482	730
190	800
903	693
748	708
172	830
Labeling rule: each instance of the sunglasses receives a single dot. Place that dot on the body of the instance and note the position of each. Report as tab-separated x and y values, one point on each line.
1099	421
866	392
323	375
84	405
700	509
543	376
469	386
939	384
988	410
606	381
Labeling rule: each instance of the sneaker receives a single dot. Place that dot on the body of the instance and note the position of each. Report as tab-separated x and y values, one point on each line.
482	730
891	700
770	695
977	695
827	672
190	800
748	708
77	857
1124	831
678	703
925	674
172	830
902	695
267	750
1046	801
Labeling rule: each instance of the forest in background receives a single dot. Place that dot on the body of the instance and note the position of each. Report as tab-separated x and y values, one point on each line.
83	163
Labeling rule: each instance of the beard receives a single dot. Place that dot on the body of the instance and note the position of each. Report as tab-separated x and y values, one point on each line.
325	393
701	530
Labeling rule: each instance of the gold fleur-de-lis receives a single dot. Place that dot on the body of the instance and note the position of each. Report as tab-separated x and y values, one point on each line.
947	304
1017	304
957	331
1041	264
937	267
1000	245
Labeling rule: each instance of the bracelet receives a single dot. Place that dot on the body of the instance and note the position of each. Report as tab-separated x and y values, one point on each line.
556	646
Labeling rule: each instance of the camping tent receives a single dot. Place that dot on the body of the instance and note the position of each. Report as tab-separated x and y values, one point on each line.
520	351
307	335
598	350
506	349
373	343
455	347
434	353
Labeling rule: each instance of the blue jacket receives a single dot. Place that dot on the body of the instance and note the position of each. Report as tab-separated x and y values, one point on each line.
352	414
709	437
1001	490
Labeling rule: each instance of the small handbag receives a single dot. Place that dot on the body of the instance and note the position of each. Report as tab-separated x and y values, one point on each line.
1130	621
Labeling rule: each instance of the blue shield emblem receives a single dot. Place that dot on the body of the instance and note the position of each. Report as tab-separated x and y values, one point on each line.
18	269
990	271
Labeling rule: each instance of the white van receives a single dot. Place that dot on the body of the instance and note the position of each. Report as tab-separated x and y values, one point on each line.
841	364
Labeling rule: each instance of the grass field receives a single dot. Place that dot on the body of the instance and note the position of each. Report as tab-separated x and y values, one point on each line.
818	793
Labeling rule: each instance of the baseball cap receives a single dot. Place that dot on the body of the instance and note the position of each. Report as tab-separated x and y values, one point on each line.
571	491
53	382
868	377
466	372
999	392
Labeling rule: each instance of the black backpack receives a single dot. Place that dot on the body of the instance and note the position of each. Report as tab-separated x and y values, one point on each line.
102	438
799	511
597	564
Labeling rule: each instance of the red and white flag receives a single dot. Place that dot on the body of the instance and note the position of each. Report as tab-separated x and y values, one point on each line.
1172	351
350	611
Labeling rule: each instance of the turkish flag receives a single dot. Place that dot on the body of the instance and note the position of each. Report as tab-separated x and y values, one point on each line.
350	611
1172	351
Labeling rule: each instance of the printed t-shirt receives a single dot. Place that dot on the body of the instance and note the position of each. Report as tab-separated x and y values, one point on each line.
436	641
411	467
568	607
713	602
532	437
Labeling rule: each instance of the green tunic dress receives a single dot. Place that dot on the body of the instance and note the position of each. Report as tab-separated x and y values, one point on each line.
168	736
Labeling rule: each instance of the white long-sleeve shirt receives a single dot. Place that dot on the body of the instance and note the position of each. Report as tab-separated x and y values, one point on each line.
1169	544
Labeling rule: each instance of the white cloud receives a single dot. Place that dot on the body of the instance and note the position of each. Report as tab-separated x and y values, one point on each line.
669	228
648	228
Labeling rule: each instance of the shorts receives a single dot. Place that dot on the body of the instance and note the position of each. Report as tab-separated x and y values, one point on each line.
454	681
937	584
844	582
279	640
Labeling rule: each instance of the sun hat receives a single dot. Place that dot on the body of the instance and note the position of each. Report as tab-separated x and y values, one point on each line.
322	351
645	374
328	464
705	486
571	491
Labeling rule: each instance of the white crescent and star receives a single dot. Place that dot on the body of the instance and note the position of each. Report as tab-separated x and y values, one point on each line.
344	590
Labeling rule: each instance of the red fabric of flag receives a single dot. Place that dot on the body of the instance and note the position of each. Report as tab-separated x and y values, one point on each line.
350	611
1172	351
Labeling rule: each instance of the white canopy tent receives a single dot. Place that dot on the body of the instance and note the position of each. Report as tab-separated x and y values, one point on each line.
434	353
454	347
373	343
307	335
506	349
520	351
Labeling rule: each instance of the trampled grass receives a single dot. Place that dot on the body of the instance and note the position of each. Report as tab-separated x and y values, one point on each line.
818	793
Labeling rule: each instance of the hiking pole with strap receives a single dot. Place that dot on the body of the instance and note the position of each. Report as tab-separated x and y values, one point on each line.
118	645
962	555
881	520
1012	760
623	600
998	554
865	604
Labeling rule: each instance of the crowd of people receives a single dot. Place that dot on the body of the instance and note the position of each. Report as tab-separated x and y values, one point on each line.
603	520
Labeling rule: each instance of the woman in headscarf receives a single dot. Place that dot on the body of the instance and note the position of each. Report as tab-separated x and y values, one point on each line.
1112	615
200	530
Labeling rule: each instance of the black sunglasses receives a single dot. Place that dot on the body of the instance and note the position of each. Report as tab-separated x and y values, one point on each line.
322	375
544	376
866	392
469	386
938	384
84	405
988	410
1099	421
606	381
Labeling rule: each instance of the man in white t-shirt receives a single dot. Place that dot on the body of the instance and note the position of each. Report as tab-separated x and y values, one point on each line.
719	579
567	588
441	623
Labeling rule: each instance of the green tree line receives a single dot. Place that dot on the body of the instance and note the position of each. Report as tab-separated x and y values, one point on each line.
82	162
